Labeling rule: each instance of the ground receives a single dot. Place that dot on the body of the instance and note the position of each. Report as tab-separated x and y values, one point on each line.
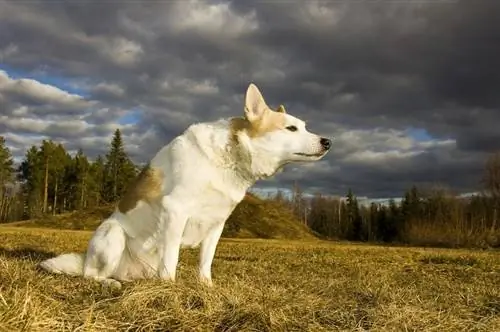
260	285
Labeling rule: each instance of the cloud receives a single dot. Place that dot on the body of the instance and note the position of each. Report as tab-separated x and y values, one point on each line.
408	89
29	91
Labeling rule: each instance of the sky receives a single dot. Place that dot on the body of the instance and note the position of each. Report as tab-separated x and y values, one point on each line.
409	90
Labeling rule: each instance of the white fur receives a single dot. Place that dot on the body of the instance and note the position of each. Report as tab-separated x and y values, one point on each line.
206	176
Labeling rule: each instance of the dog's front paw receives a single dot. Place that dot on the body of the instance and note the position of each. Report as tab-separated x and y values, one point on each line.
206	281
165	275
111	284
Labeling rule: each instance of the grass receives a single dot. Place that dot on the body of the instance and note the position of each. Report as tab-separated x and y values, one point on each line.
451	234
260	285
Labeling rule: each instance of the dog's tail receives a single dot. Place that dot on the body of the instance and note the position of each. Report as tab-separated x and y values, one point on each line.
71	264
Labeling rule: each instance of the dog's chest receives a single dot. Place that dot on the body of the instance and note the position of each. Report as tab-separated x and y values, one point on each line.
212	208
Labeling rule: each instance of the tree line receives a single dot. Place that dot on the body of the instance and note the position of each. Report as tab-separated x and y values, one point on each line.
426	216
51	181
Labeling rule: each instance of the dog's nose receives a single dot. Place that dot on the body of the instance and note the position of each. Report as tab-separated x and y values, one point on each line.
326	143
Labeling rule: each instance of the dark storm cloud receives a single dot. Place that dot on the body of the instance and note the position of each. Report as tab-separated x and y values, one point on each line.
345	67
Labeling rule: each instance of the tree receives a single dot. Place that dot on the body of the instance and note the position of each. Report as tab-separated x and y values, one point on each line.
6	163
298	203
47	155
97	180
6	176
411	205
353	217
119	169
82	168
31	174
491	181
373	222
59	165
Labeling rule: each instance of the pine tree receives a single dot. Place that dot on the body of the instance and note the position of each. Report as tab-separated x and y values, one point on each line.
31	174
6	177
353	217
96	184
373	222
119	169
82	168
60	161
6	163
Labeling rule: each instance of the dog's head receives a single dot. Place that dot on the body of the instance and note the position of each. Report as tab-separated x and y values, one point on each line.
276	138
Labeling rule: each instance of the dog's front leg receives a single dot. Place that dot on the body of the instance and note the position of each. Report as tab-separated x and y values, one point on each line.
172	222
207	253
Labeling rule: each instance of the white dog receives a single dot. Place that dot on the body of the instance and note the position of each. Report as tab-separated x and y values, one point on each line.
187	192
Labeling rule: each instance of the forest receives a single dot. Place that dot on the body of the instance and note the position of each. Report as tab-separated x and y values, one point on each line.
51	181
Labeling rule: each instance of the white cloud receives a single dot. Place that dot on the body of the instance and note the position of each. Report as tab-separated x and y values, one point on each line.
40	92
213	19
201	87
8	51
40	126
378	146
122	51
318	15
109	88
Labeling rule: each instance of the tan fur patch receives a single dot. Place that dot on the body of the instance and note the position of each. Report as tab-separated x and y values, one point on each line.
146	186
269	122
281	109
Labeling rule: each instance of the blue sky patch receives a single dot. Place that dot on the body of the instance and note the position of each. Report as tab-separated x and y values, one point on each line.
60	82
131	117
419	134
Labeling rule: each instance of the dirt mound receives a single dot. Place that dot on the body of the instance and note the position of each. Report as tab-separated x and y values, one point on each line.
252	218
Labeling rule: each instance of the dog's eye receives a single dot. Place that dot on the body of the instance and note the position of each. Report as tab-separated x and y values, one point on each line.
291	128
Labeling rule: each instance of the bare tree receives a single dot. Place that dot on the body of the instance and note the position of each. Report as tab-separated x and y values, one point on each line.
492	183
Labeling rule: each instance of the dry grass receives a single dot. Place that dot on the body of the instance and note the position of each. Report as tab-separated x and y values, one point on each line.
260	285
451	234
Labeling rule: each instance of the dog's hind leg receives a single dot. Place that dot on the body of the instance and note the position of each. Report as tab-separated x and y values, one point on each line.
104	253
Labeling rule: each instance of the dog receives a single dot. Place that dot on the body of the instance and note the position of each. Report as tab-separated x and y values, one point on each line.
184	196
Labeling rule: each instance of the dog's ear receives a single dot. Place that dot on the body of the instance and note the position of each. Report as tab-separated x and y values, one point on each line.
255	105
281	109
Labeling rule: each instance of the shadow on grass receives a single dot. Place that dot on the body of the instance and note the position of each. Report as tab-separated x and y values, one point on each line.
26	253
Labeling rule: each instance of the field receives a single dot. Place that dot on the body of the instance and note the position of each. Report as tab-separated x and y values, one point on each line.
260	285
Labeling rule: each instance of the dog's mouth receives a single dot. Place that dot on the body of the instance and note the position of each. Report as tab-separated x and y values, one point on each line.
319	154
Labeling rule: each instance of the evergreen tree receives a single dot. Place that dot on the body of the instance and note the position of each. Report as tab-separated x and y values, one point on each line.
383	230
46	152
31	174
82	170
6	177
353	217
60	161
119	170
411	207
97	180
6	163
373	222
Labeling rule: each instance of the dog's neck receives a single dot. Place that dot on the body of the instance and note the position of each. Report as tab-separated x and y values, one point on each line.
249	161
233	151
